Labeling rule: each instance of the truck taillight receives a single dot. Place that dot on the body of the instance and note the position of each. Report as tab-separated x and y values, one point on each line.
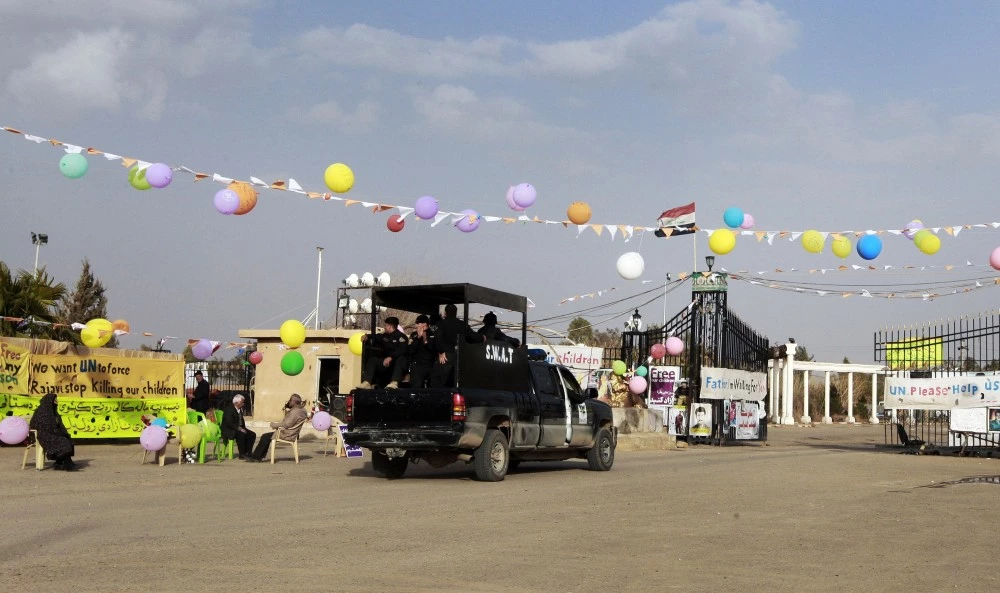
457	407
349	408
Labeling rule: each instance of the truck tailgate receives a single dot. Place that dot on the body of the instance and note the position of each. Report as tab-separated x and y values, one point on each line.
390	408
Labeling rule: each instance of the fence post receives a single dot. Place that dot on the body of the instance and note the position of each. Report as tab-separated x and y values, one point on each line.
826	404
788	417
806	419
873	418
850	398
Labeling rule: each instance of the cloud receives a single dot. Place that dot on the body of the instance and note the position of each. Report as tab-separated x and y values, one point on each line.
364	117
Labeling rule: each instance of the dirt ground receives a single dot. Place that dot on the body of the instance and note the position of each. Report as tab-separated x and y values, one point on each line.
818	509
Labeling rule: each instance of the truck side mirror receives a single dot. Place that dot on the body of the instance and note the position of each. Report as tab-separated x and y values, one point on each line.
591	393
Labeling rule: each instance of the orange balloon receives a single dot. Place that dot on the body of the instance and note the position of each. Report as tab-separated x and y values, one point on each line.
121	324
247	195
578	212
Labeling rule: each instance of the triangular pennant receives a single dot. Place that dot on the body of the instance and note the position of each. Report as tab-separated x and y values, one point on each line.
597	228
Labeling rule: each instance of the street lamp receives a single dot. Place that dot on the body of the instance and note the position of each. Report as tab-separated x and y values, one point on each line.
319	274
38	239
635	324
710	261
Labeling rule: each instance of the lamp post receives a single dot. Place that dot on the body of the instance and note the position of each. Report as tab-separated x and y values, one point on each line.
635	323
319	274
665	283
710	261
38	239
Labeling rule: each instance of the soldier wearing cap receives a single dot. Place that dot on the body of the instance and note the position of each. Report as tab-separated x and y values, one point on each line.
422	353
388	353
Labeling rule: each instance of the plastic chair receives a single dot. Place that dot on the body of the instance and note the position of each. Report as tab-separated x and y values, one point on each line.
227	445
195	417
294	443
333	434
39	454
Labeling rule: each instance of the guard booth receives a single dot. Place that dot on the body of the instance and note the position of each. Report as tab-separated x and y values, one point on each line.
714	391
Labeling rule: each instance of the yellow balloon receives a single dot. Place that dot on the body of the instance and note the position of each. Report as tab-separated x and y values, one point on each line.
339	178
292	333
97	333
190	435
722	241
841	246
813	241
578	212
354	344
927	242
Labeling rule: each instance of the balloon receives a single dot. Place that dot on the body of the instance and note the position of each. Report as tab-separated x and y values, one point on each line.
121	325
469	221
657	351
159	175
995	258
426	208
841	246
190	435
813	241
395	223
292	363
524	195
911	228
630	265
733	217
510	200
97	333
722	241
226	201
354	344
153	437
619	367
292	333
247	195
339	178
637	385
73	165
161	422
256	357
927	242
642	372
13	430
322	421
747	221
869	247
212	430
202	349
578	212
674	346
137	178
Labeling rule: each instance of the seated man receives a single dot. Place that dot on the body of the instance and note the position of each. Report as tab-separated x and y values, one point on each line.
491	332
234	427
288	429
388	353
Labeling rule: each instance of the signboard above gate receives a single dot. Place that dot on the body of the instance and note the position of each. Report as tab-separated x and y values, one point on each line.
709	282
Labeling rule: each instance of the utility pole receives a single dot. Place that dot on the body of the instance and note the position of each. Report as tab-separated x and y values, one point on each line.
319	275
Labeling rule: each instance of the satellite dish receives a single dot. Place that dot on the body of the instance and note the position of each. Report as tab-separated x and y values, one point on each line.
383	279
367	279
351	281
352	306
366	305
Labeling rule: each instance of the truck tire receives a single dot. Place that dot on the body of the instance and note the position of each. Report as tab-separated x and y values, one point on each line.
491	458
392	469
602	456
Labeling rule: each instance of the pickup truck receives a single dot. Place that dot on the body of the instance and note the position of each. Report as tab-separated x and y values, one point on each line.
507	405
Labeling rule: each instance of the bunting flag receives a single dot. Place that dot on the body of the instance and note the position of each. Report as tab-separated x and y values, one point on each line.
677	221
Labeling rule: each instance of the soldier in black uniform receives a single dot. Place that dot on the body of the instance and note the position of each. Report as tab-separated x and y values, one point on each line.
449	330
388	353
422	353
492	332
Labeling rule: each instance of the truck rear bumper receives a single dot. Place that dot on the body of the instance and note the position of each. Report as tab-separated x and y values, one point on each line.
422	440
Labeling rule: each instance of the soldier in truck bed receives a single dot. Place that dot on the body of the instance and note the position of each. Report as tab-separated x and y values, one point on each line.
446	336
422	353
388	352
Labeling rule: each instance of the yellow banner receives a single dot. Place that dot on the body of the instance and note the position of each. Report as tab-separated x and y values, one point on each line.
101	417
14	362
918	353
105	376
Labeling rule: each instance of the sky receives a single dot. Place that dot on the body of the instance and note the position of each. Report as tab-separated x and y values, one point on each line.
831	116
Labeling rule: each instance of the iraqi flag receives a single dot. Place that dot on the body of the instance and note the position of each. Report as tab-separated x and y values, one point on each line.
677	221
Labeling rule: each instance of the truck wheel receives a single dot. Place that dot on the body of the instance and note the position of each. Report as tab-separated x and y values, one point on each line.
491	458
390	468
602	456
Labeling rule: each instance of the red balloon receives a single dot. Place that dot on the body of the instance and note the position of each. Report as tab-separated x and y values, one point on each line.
256	357
395	223
658	351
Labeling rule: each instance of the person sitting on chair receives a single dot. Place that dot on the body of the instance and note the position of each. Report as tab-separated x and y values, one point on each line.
288	429
491	332
52	435
234	427
388	353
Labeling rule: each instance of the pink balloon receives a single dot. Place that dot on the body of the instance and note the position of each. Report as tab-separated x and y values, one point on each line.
159	175
256	357
322	421
153	438
747	221
524	195
995	259
469	221
13	430
637	385
510	200
657	351
674	346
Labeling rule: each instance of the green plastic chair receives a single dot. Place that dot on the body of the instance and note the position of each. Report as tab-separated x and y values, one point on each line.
227	446
194	417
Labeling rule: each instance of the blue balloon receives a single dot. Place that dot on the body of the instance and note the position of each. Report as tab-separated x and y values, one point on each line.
733	217
159	422
869	247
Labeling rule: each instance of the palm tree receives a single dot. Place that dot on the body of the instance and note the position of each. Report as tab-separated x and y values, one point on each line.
27	296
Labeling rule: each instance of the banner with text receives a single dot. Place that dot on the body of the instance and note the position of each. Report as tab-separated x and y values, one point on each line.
942	393
663	384
14	364
579	359
718	383
101	417
105	376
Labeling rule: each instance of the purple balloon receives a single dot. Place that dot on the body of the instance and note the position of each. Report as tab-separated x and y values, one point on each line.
911	228
469	221
510	200
226	201
747	221
525	195
322	421
153	438
426	208
202	350
13	430
159	175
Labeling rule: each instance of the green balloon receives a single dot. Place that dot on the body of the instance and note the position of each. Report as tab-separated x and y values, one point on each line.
73	165
619	367
211	430
137	178
641	372
292	363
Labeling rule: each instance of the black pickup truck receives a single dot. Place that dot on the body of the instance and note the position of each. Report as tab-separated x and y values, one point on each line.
505	408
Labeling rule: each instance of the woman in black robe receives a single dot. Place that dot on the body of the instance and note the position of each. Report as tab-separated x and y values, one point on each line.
52	435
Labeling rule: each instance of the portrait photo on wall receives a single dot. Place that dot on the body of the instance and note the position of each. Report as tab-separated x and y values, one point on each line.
701	420
676	420
994	419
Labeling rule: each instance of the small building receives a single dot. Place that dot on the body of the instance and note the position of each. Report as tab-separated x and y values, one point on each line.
329	363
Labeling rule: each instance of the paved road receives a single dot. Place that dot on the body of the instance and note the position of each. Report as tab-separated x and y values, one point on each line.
819	509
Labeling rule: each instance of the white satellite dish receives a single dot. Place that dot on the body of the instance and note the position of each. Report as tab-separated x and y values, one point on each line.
383	279
351	281
366	305
352	306
367	279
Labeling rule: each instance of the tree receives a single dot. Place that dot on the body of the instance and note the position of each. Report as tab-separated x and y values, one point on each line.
28	297
87	301
802	354
580	331
607	338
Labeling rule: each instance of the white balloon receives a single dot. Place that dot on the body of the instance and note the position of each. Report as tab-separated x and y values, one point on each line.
367	279
352	306
366	305
383	279
630	265
352	281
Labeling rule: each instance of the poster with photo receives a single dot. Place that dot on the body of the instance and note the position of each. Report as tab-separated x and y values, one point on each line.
994	419
748	421
701	420
676	420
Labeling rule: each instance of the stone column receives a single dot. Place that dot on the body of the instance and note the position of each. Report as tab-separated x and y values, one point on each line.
787	417
850	398
873	417
806	419
826	404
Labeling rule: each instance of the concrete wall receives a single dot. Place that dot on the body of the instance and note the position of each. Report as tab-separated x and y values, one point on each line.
635	420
